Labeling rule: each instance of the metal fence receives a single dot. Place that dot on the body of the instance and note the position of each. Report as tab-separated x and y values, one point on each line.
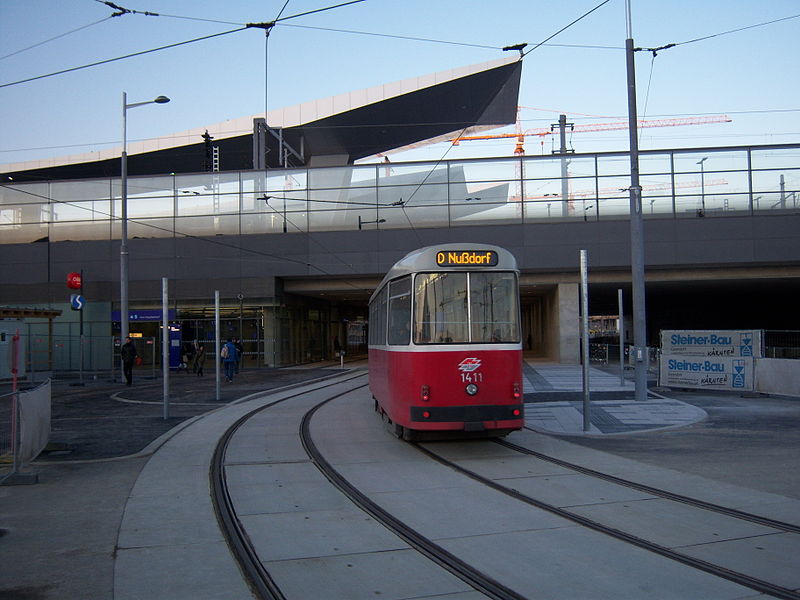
608	355
678	183
777	344
24	431
96	357
782	344
6	433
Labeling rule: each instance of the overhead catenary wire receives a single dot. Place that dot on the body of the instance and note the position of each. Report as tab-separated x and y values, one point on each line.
56	37
765	111
122	11
583	16
519	47
392	36
713	35
438	41
110	60
647	93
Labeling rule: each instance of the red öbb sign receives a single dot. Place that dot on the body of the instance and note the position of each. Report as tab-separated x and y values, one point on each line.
74	281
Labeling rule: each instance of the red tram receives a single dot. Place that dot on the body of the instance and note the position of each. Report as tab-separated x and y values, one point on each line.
445	354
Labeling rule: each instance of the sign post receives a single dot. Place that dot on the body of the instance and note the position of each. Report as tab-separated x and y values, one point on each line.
216	343
77	302
621	330
165	345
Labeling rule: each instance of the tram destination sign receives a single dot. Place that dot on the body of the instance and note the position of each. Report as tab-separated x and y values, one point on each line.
466	258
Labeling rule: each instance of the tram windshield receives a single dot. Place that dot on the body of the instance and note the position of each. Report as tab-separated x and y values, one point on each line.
493	307
460	308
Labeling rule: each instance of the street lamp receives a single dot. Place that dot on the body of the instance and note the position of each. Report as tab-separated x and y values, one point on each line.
702	187
123	246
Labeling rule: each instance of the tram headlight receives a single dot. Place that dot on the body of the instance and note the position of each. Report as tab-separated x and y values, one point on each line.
472	389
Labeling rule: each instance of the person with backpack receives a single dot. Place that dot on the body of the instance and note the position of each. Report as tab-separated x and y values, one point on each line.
229	355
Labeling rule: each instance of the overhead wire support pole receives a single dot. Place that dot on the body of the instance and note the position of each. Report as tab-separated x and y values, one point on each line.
639	350
585	353
563	151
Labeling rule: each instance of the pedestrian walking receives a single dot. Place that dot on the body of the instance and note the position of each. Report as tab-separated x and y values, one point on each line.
184	364
128	354
199	360
195	350
239	352
229	356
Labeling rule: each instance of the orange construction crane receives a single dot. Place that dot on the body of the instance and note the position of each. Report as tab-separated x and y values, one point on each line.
610	126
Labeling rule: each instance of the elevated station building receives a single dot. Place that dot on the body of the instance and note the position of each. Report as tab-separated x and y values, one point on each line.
276	214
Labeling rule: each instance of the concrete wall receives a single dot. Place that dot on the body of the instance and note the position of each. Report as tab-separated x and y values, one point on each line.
233	262
683	258
778	376
568	319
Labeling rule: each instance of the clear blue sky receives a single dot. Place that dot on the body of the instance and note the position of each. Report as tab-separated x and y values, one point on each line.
750	75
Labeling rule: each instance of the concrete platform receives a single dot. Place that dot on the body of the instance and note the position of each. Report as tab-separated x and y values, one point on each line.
554	403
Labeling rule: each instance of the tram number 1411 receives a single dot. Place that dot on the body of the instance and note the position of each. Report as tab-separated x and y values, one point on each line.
472	377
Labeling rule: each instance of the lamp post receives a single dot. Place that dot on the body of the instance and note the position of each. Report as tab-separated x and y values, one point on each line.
123	246
702	186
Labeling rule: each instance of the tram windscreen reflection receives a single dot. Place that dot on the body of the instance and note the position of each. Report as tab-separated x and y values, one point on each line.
440	308
493	307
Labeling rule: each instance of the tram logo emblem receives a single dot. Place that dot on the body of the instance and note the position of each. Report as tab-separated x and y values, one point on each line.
468	365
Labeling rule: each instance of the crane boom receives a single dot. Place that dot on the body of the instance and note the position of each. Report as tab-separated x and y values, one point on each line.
611	126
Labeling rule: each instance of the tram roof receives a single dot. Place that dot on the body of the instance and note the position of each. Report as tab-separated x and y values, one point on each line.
424	260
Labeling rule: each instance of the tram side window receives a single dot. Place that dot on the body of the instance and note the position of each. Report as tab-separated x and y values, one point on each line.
493	302
400	311
377	319
440	313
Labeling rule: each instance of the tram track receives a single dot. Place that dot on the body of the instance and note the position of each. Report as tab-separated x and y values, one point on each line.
660	492
468	573
472	574
259	579
743	579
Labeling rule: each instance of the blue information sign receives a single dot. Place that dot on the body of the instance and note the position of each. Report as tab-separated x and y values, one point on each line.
143	315
76	301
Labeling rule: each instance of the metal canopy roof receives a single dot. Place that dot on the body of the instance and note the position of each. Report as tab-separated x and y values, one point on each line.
343	128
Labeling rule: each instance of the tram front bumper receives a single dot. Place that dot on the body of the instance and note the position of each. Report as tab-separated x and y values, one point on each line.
469	415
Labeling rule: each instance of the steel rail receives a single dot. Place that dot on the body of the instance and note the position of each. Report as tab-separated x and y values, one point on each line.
466	572
666	494
257	577
743	579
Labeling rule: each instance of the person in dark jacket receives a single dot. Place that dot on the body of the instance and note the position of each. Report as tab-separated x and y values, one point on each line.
239	353
199	360
128	353
229	358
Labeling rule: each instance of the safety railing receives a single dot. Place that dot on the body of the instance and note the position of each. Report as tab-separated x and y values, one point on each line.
607	355
782	344
678	184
